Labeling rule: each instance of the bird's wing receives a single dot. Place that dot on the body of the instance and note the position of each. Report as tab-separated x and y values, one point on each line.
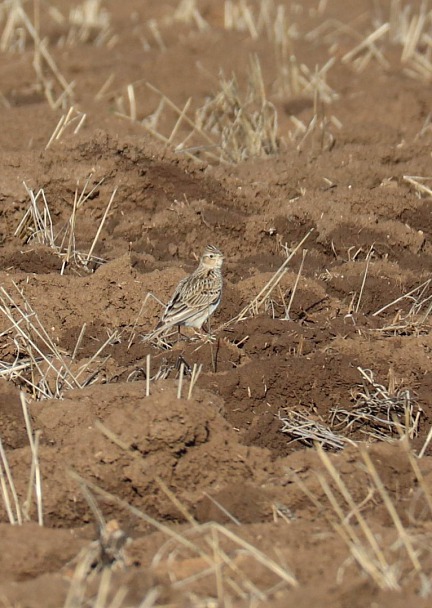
185	305
205	296
190	296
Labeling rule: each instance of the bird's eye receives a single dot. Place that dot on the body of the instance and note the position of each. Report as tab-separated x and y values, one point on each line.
211	255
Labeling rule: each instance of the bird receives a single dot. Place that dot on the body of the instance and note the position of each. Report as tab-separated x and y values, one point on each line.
196	297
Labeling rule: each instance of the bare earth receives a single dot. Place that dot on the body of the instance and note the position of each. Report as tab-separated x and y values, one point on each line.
222	507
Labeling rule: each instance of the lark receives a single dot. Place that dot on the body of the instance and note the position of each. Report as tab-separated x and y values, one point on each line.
197	296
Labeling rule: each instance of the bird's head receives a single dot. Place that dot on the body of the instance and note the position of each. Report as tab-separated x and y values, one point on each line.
212	257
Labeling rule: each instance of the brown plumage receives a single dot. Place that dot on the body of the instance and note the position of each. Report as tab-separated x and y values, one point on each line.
197	296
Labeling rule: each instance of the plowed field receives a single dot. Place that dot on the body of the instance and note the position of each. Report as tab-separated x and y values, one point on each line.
292	466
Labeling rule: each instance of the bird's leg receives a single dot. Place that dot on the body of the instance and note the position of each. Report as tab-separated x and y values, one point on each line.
180	336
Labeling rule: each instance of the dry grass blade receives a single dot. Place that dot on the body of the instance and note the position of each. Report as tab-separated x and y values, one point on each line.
380	573
254	306
239	126
187	12
386	563
29	330
167	530
41	52
14	36
6	480
225	511
180	382
197	530
368	259
48	372
244	125
391	510
264	19
73	116
196	370
156	33
104	555
22	511
162	373
260	557
414	462
185	117
112	339
176	502
149	296
37	226
378	412
148	375
295	79
211	538
76	592
411	295
104	88
178	123
415	319
35	473
366	551
239	16
426	443
410	28
368	45
419	184
308	431
318	132
294	289
89	22
11	370
99	230
79	341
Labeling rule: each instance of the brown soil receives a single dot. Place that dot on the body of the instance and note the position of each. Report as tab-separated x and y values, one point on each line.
219	456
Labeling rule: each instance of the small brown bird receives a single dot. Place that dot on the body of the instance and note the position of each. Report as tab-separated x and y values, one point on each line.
197	296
